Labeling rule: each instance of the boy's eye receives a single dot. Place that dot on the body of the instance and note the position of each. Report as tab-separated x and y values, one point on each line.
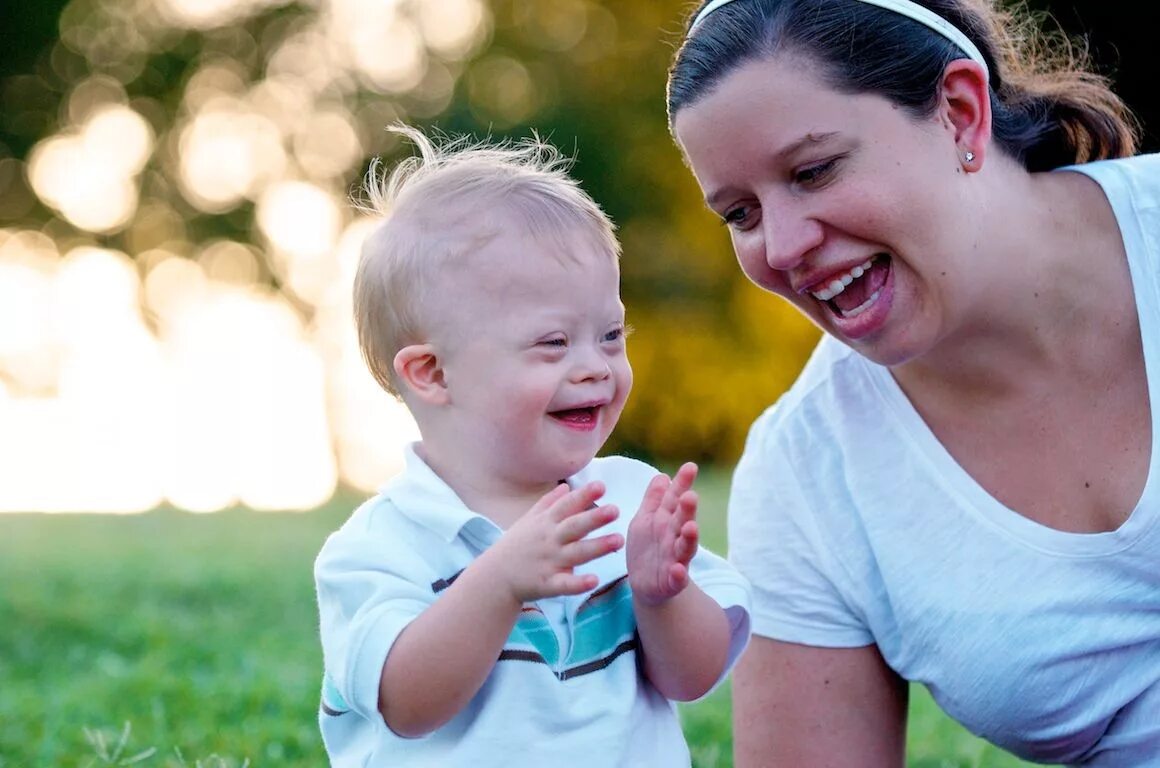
616	334
555	342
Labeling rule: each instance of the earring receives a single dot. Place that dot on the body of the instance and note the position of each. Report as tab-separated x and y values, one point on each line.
969	157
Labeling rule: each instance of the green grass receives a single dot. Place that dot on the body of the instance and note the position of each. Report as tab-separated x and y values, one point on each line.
199	632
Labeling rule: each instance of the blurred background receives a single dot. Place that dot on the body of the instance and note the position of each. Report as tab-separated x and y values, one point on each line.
177	240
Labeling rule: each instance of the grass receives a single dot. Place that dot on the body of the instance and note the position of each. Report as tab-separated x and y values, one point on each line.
172	640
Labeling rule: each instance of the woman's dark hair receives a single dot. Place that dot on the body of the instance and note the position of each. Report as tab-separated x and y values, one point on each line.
1048	109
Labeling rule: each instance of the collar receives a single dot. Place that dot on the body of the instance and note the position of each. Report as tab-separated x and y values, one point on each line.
423	496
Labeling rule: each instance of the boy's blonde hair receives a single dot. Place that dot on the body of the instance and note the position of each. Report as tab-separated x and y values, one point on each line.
436	207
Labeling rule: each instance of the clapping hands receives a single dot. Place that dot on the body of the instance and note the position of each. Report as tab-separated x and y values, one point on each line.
537	557
663	537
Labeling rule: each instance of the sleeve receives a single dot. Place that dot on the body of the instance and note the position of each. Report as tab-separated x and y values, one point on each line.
717	578
776	544
368	590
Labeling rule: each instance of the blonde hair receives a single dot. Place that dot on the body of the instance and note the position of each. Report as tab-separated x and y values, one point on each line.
434	208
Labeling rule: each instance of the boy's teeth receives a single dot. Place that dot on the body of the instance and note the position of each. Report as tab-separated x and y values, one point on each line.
839	284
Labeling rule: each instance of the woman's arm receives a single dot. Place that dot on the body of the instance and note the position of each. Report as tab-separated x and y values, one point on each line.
796	706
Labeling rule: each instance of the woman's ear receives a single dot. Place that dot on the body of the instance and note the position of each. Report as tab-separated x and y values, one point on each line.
421	373
965	108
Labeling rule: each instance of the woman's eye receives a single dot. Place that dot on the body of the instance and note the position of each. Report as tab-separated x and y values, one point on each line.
814	174
737	218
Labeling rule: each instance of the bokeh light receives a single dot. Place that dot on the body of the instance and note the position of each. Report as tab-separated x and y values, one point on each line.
154	352
89	174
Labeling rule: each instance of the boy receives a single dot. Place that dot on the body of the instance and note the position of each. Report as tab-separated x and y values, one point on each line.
490	606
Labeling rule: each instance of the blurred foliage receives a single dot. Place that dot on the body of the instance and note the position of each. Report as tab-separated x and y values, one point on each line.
315	82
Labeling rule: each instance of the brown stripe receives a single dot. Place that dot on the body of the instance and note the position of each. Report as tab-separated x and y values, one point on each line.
605	589
442	584
507	655
580	671
599	664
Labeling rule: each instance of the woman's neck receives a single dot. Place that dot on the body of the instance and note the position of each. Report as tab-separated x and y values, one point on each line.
1050	292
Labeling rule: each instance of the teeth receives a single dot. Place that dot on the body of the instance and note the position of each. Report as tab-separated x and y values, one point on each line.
839	284
863	306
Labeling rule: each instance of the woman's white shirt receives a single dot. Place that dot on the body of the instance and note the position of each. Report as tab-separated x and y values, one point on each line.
856	527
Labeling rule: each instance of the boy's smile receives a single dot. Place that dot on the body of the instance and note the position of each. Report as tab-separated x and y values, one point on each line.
583	418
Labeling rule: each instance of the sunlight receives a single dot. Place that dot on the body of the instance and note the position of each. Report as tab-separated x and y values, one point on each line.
89	175
301	222
146	356
228	153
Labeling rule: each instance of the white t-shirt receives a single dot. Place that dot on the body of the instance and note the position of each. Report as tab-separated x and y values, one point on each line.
857	527
566	690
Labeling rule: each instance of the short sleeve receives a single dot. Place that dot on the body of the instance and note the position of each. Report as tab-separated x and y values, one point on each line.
774	542
365	600
718	579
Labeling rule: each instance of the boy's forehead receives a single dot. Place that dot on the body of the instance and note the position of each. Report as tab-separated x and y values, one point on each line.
511	259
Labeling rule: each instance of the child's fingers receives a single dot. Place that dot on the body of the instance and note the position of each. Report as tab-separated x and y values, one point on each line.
585	550
678	577
571	583
578	526
576	501
687	506
548	499
655	492
681	484
683	479
686	544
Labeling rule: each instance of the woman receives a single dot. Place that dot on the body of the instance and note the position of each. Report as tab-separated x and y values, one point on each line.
962	488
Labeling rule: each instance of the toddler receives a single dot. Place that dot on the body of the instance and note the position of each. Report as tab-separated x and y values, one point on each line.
494	605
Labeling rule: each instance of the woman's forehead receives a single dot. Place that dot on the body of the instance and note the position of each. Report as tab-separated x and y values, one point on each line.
773	99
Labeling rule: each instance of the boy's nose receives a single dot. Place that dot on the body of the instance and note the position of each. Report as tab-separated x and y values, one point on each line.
591	366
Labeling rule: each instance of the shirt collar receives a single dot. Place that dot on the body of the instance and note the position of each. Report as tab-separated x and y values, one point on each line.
427	499
423	496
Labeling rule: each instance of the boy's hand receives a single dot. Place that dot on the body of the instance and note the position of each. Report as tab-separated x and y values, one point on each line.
535	558
663	537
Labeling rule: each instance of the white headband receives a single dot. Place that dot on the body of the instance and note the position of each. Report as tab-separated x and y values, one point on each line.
904	7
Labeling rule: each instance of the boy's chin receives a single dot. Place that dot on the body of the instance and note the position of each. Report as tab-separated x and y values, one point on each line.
569	466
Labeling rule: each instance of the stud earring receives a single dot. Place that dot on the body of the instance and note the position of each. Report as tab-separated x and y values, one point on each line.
969	157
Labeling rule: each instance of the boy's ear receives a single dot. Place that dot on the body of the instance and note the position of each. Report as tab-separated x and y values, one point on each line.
419	370
966	110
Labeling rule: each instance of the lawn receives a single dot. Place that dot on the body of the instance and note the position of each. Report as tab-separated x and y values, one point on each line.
169	639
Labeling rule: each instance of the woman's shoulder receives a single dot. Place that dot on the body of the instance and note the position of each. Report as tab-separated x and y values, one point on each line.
1137	176
836	387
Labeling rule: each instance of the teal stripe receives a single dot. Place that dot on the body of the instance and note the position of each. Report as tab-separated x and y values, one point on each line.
532	630
331	697
602	626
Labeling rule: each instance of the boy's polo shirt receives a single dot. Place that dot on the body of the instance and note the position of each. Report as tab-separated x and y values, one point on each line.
565	690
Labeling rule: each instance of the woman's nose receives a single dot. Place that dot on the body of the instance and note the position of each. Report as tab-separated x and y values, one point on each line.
789	237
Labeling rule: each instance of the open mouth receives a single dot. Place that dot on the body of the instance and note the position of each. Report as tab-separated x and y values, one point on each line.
577	417
851	293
